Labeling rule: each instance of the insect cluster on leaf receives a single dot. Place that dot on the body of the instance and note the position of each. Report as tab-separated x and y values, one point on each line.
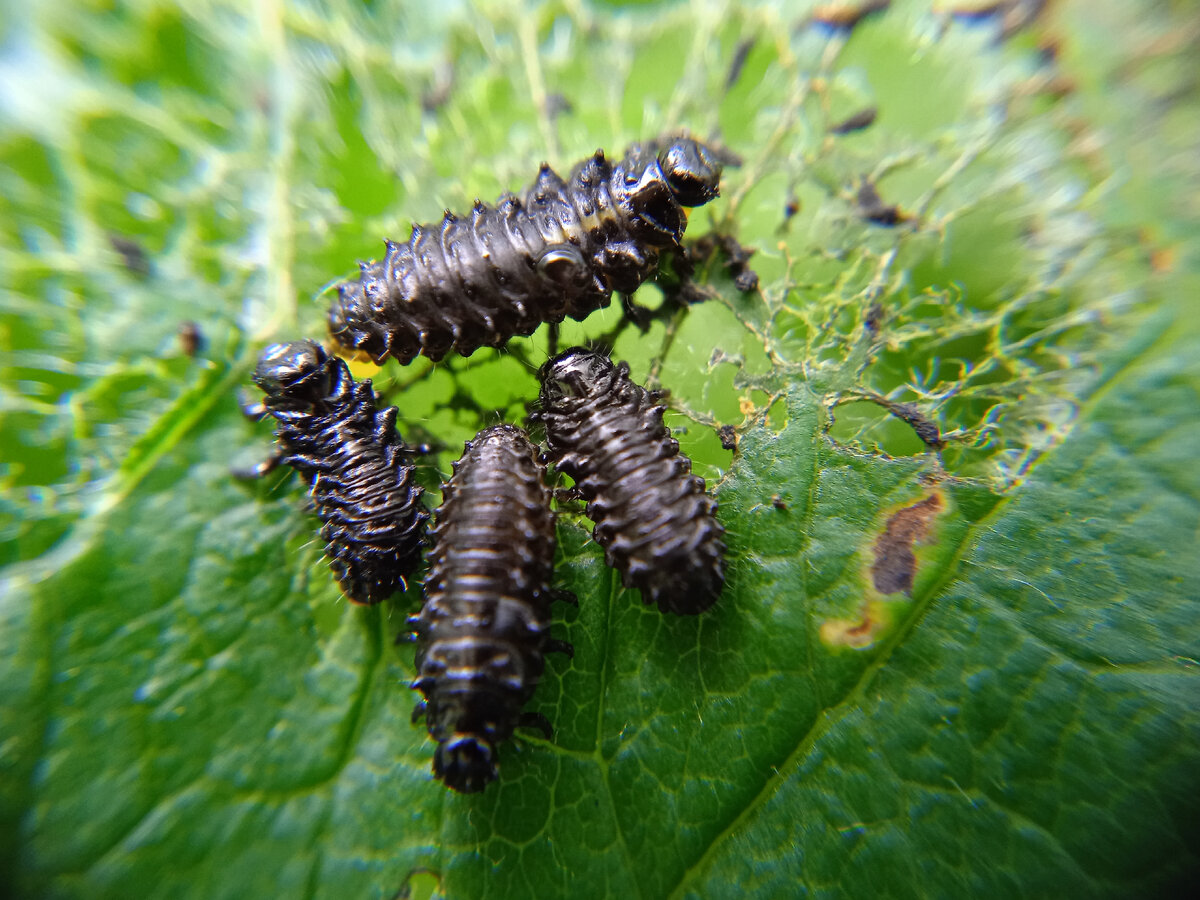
560	250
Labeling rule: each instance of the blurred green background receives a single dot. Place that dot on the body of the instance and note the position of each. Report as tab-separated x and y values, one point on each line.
986	210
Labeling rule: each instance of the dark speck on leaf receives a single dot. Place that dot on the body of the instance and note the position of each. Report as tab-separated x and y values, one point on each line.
438	92
133	256
857	122
789	210
872	208
874	319
740	55
557	105
728	437
191	338
1048	51
778	502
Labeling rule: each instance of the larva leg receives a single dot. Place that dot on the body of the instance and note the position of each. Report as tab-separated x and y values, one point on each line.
254	410
561	595
682	263
258	470
640	316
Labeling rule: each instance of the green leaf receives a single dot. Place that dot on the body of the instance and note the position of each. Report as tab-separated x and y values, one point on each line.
956	670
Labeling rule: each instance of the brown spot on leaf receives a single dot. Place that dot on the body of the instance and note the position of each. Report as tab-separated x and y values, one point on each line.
895	562
857	634
1162	259
191	338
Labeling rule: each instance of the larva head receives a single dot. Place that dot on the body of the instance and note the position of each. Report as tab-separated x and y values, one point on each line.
341	327
294	370
351	324
692	170
577	372
465	763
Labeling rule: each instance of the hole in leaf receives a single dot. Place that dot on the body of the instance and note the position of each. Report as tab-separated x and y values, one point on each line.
421	884
870	426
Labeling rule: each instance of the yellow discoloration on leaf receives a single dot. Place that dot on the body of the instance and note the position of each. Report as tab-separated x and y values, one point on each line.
876	616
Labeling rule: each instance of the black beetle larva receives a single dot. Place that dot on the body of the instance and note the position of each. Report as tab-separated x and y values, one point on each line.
653	518
330	430
560	250
484	629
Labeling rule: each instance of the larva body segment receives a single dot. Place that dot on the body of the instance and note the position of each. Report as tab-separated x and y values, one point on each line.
330	430
484	629
500	271
653	518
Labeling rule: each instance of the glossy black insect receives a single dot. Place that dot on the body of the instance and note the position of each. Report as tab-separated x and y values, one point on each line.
484	629
560	250
656	524
330	430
